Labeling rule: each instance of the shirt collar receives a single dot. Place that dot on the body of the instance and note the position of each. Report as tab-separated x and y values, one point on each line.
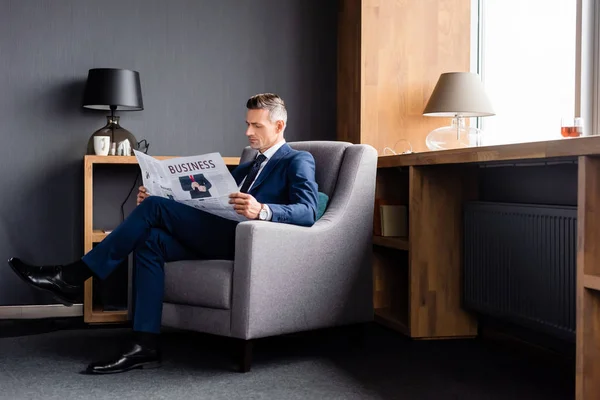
273	149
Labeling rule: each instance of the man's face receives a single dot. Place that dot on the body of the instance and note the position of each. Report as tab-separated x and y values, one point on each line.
261	132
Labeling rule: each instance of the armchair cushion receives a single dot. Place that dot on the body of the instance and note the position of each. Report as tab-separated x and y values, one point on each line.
204	283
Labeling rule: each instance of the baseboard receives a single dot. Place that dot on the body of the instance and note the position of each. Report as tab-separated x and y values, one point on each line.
40	311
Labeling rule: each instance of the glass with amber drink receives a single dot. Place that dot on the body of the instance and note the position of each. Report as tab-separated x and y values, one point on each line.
571	127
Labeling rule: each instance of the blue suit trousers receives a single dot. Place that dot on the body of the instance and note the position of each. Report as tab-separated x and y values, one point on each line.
157	231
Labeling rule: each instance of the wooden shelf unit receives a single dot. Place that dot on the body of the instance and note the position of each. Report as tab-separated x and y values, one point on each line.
418	279
427	288
433	186
94	313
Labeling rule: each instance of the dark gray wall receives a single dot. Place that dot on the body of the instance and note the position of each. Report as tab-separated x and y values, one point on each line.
199	61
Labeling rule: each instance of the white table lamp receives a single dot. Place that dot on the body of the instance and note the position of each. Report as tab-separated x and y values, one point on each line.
457	95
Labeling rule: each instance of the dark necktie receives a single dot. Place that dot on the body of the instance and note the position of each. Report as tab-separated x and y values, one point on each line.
252	174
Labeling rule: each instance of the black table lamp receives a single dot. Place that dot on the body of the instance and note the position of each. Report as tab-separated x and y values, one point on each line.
112	89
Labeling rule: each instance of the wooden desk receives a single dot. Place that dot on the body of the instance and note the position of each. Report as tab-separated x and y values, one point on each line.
95	313
421	297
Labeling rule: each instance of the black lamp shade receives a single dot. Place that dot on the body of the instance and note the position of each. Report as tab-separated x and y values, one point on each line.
119	88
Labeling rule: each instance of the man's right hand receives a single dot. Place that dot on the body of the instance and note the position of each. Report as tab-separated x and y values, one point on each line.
142	194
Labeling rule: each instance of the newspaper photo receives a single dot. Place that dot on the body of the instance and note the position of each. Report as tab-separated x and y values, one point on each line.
203	182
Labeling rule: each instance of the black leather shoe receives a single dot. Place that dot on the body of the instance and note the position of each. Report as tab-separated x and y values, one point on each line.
137	357
48	278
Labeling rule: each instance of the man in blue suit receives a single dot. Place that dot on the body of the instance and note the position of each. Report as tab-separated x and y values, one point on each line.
277	186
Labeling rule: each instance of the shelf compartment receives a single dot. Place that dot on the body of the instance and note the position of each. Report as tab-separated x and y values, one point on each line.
391	242
98	235
99	316
390	301
386	317
591	282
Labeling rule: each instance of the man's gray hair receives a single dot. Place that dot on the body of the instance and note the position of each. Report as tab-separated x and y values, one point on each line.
271	102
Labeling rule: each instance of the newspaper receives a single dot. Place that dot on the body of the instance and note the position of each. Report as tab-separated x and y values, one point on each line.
202	182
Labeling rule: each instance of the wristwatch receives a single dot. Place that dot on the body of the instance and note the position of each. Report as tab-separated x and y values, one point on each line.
263	214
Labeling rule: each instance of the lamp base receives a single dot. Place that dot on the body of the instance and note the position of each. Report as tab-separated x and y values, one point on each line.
455	136
115	131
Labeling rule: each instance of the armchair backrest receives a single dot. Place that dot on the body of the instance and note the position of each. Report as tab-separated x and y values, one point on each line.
339	160
328	157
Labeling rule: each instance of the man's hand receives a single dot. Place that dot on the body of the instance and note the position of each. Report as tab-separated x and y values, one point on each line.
142	194
245	204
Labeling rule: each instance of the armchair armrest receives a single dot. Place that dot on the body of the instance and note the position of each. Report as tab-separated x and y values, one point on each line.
289	278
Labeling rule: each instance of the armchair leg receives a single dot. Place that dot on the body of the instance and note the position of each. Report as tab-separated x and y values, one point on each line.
245	355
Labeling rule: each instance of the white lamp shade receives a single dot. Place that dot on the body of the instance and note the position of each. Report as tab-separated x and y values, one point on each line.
458	94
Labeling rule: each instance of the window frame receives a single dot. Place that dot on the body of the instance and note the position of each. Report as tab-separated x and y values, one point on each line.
588	65
587	62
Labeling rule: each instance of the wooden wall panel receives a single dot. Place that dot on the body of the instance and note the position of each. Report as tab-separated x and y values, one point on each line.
404	47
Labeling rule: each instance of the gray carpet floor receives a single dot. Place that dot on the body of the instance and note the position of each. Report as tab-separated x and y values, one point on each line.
320	365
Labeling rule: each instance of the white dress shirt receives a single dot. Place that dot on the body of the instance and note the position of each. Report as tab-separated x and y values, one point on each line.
268	153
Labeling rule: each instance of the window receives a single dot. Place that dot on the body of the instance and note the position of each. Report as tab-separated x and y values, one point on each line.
527	58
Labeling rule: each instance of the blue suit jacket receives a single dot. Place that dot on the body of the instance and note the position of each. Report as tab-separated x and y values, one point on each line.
287	185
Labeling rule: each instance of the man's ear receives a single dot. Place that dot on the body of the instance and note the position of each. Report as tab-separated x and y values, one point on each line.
280	125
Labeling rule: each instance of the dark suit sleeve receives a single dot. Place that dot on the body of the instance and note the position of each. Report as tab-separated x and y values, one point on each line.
303	193
186	183
202	181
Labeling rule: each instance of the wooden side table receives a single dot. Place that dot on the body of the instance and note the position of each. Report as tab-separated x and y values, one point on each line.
94	313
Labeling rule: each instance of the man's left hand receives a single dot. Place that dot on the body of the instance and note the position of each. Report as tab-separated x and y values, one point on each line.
245	204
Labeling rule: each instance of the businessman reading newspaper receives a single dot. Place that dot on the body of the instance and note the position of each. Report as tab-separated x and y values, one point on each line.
189	210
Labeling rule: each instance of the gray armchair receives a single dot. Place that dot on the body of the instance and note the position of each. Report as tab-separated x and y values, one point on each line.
287	278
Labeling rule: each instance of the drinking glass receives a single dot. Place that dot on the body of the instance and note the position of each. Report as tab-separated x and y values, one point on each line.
571	127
